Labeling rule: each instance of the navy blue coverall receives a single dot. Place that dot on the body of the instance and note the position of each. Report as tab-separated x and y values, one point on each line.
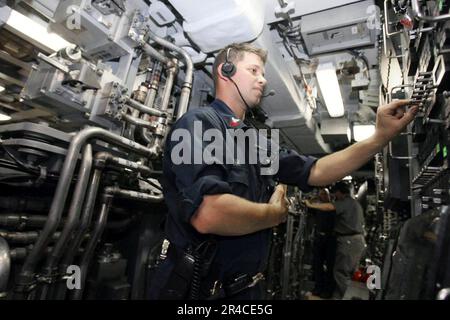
185	186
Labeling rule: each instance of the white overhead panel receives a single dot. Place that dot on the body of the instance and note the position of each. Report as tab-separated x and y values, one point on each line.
215	24
340	28
300	7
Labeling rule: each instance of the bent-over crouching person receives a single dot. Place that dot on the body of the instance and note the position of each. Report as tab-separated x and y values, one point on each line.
222	203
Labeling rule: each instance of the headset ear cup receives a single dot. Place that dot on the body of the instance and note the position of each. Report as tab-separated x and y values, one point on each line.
228	69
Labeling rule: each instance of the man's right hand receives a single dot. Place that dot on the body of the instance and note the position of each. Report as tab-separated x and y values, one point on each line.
279	202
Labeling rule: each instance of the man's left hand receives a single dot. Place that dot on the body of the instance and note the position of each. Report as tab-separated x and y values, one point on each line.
392	119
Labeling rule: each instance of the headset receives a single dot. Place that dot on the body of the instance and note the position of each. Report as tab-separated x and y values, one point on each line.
228	67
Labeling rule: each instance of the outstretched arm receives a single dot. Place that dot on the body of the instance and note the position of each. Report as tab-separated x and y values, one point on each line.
391	120
328	206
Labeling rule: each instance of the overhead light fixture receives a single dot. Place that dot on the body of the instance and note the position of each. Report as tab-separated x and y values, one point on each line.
362	131
331	92
4	117
33	32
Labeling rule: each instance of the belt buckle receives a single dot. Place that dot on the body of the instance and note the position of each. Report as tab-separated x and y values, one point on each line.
256	278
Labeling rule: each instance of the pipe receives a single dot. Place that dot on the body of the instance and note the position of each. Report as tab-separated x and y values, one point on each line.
20	253
134	195
24	237
19	221
143	108
187	84
109	193
129	134
96	235
157	142
138	122
171	72
152	52
80	233
150	99
109	158
419	15
154	85
26	275
101	160
5	266
72	217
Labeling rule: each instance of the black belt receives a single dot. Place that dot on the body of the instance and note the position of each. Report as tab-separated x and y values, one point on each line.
234	287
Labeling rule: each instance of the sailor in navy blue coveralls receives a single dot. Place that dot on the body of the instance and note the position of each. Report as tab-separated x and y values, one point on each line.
189	188
186	184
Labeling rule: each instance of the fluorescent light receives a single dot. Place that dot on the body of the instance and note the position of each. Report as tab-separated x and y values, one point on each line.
2	88
329	86
363	131
4	117
34	32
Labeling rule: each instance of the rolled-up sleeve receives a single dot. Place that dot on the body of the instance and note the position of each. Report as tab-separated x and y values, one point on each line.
209	180
194	180
294	169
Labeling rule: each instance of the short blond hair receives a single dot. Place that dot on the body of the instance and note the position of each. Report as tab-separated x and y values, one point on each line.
235	55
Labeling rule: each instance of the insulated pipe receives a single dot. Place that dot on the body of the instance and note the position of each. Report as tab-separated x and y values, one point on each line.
137	121
143	108
26	275
72	217
5	266
152	52
96	235
187	84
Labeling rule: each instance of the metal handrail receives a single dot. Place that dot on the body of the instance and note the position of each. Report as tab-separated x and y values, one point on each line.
419	15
